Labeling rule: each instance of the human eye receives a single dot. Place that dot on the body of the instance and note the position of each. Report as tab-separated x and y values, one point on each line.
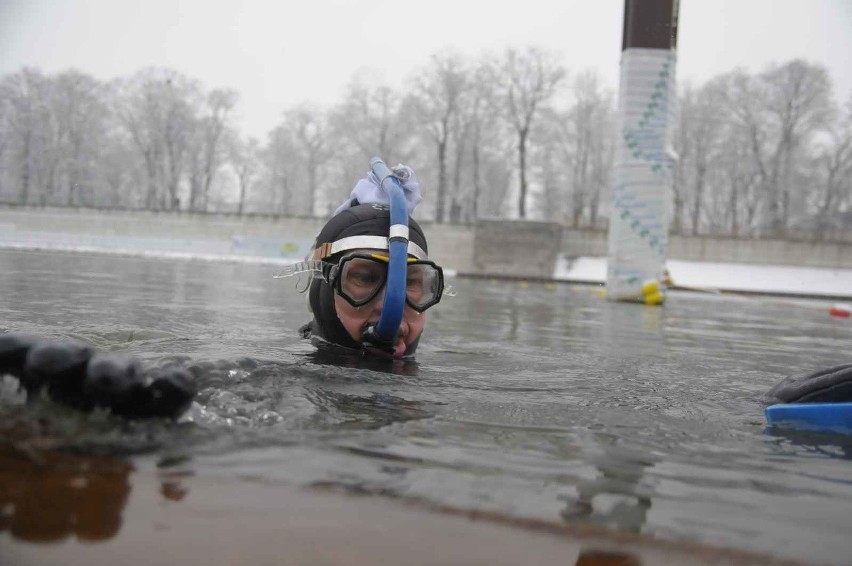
415	279
414	284
365	277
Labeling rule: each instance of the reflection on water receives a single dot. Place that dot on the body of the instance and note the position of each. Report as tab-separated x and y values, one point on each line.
533	402
50	495
47	496
821	444
616	497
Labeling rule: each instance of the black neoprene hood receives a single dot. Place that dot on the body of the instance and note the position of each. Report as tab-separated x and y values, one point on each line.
360	220
365	220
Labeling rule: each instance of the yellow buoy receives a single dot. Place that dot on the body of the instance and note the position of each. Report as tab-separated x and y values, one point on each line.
650	287
654	299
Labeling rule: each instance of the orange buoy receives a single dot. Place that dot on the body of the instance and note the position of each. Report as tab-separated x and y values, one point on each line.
841	310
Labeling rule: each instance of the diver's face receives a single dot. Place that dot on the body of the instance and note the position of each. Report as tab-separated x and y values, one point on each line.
354	319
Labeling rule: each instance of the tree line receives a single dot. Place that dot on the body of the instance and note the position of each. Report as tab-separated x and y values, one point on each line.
513	135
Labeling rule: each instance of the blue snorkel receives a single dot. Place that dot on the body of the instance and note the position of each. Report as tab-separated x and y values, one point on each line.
383	333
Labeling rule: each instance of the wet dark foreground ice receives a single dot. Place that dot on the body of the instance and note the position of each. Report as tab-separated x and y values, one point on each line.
527	402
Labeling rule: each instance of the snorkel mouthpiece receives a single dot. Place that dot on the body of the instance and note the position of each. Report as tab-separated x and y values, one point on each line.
371	339
383	333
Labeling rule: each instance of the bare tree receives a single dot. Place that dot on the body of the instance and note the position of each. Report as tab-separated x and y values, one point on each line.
580	116
528	80
585	131
436	103
706	126
120	170
772	119
368	120
309	132
603	154
25	96
159	111
798	97
683	147
207	150
280	162
748	122
550	160
739	178
245	159
82	118
479	106
834	194
5	136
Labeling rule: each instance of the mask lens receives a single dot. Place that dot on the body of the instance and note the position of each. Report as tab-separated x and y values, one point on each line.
361	279
423	285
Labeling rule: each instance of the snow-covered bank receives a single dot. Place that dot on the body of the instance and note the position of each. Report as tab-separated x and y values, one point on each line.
707	276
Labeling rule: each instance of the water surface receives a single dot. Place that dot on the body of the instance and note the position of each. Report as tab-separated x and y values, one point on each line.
531	400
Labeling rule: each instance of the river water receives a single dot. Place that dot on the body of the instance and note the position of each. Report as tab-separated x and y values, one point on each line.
528	400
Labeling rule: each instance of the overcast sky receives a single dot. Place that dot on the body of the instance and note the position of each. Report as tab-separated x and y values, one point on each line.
277	54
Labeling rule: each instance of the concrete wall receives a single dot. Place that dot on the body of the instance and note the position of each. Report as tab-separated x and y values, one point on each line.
516	248
452	247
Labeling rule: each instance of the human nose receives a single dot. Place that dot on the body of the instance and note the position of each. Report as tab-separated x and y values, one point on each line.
378	302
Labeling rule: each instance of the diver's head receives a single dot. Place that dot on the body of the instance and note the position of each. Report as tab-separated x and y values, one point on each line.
353	249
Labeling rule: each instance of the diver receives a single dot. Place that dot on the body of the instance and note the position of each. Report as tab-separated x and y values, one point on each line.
349	268
371	280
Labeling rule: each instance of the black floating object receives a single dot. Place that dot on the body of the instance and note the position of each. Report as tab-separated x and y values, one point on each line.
167	394
830	385
61	367
75	375
114	381
13	353
172	390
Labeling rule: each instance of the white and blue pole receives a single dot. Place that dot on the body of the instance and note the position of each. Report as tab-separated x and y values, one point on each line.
643	173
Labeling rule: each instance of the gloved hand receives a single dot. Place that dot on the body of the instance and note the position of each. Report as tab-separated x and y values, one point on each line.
831	385
369	190
78	376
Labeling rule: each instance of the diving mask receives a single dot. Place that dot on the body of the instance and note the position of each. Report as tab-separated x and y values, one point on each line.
361	276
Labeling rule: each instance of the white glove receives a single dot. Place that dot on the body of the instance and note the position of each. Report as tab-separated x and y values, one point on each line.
370	191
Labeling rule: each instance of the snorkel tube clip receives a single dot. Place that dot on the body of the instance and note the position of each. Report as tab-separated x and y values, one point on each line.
382	334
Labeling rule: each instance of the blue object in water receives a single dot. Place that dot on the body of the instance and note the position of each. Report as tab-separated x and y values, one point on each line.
834	417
